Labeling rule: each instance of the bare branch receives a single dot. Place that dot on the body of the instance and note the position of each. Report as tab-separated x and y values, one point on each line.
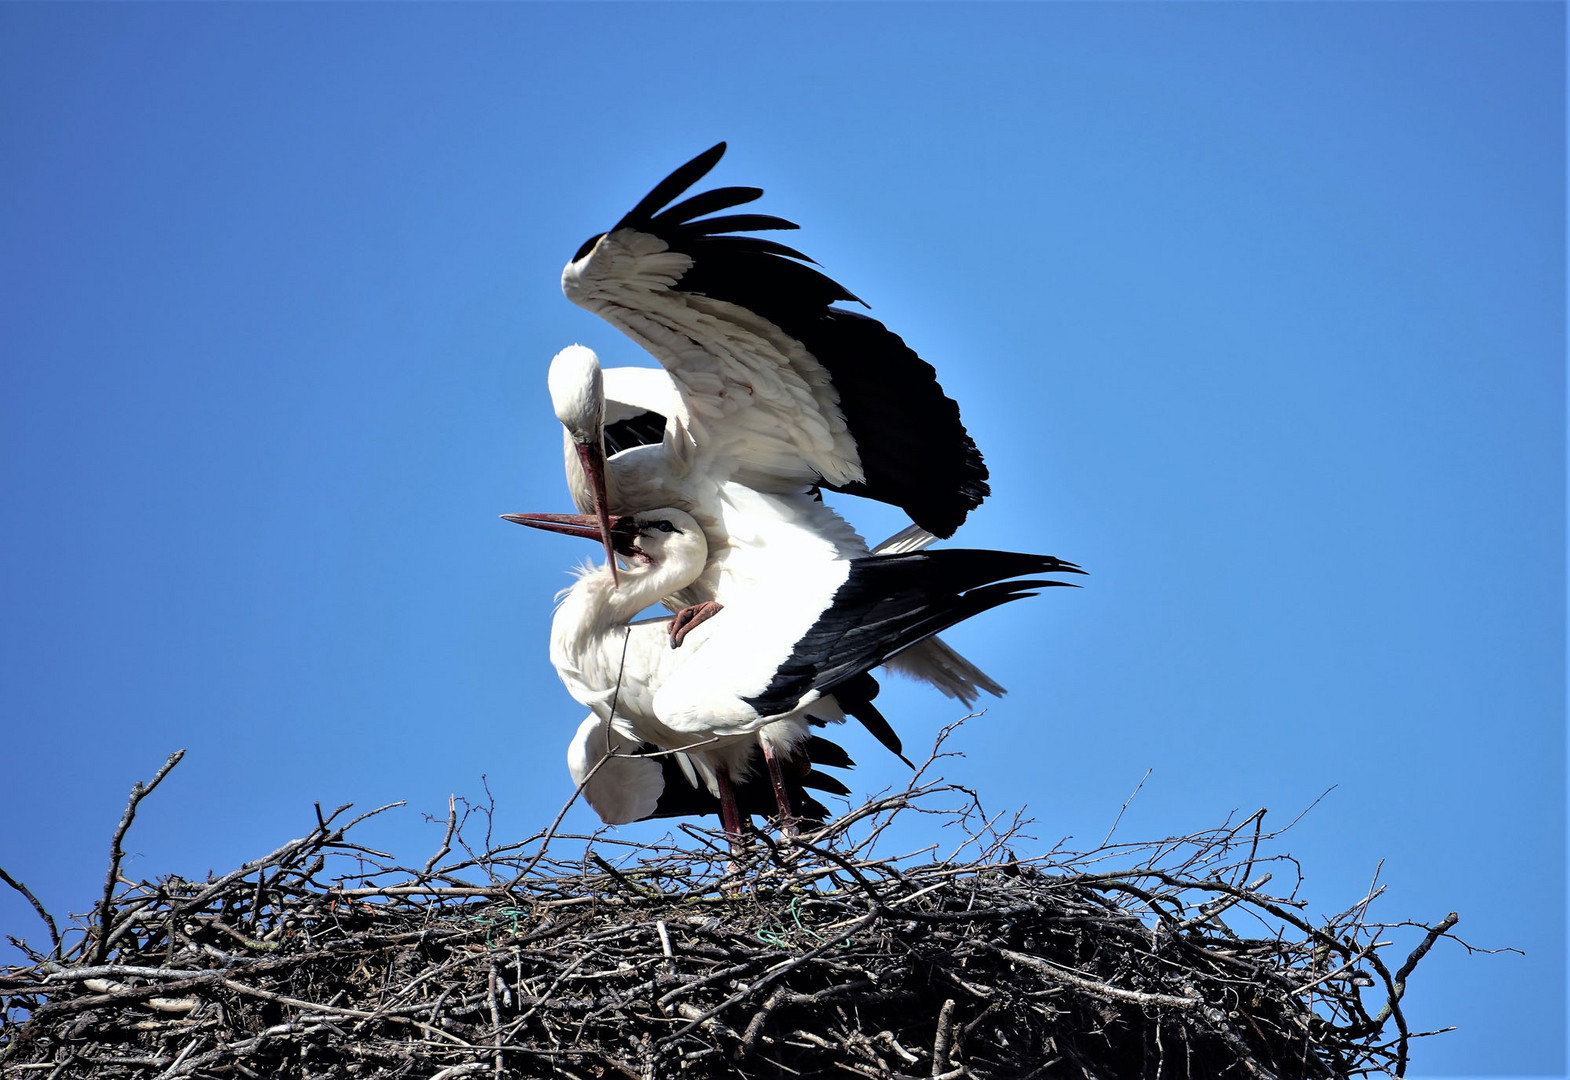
139	792
54	933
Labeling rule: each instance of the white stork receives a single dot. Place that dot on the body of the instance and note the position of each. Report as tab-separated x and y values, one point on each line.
760	671
780	390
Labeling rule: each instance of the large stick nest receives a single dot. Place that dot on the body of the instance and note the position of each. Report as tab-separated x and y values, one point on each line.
818	958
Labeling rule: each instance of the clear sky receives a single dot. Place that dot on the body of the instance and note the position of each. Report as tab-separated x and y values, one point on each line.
1256	311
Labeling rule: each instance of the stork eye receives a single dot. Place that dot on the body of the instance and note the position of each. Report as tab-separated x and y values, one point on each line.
664	526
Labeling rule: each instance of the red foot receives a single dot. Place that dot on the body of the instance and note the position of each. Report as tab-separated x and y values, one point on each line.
781	793
689	617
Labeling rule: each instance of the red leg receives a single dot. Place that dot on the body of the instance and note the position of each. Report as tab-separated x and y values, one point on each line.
689	617
730	815
781	793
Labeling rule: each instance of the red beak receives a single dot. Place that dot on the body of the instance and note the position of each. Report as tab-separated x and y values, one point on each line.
592	456
584	525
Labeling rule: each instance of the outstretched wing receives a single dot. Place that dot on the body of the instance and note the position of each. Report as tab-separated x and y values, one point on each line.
781	386
888	603
777	650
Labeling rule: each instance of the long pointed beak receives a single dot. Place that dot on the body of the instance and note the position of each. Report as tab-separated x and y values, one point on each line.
584	525
592	455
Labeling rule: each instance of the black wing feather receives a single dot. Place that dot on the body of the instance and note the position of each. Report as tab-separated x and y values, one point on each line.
672	186
827	752
824	782
645	429
890	602
855	699
755	792
706	202
729	223
764	246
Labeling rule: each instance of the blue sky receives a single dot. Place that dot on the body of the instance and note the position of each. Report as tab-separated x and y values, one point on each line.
1256	311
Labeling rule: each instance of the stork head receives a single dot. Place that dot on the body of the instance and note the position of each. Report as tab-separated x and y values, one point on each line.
578	393
578	396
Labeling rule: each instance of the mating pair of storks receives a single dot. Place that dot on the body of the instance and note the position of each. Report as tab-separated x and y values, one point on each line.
702	481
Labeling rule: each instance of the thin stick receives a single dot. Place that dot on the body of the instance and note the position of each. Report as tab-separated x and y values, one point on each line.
1124	807
54	934
1434	934
138	792
452	823
944	1038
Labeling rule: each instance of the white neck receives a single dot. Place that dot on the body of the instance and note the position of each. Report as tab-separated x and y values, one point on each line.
597	605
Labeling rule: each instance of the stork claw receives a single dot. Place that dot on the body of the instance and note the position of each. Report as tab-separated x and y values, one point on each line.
689	617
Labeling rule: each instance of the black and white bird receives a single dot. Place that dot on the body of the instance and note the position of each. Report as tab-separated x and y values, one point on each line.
779	388
758	673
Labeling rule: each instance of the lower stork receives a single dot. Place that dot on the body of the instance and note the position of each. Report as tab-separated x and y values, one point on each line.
772	660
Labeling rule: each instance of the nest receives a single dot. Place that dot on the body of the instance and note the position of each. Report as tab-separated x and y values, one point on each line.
818	958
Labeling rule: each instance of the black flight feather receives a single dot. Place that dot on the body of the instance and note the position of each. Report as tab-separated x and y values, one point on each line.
644	429
822	751
867	714
755	792
855	696
672	186
824	782
707	202
763	246
729	223
890	602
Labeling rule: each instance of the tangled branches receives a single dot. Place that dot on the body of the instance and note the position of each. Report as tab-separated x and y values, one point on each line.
821	958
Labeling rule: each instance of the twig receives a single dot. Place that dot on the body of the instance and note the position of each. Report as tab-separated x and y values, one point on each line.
1105	839
452	823
54	933
1058	974
139	791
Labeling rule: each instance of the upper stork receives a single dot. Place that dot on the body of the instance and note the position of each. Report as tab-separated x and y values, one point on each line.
779	388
